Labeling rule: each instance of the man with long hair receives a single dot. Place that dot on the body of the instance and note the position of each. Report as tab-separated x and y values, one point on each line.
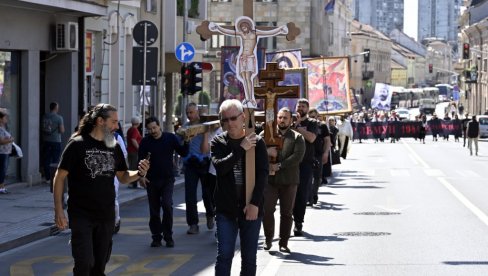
90	161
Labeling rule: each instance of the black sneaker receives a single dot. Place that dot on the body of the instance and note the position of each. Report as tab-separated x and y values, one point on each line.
170	243
156	243
267	245
284	249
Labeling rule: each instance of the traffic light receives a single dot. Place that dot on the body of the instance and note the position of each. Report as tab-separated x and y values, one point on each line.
466	51
366	56
195	70
431	68
185	79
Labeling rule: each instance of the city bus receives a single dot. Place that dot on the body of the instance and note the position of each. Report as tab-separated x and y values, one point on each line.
431	93
397	96
445	92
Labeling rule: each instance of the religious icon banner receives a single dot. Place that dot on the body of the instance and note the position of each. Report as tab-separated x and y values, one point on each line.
328	84
286	59
231	87
296	76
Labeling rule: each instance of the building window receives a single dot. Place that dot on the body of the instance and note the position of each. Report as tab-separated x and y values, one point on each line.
220	40
331	34
269	43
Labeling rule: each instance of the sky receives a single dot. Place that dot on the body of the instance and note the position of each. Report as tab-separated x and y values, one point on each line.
410	14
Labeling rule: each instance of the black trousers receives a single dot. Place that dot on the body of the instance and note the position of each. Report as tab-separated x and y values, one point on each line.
91	245
160	196
303	191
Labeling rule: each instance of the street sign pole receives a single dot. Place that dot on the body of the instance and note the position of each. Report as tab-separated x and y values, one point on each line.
184	97
144	81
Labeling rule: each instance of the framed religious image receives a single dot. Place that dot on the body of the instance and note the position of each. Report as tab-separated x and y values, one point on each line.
328	85
231	87
296	76
286	58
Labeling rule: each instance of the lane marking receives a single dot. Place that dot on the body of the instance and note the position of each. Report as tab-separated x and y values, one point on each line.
433	172
475	210
467	173
415	155
399	172
459	196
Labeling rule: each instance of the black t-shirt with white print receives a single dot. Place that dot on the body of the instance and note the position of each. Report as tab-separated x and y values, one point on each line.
91	167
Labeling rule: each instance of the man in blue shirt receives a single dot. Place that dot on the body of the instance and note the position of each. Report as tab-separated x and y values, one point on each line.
196	168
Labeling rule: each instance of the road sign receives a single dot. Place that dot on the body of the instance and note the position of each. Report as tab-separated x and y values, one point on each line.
185	52
151	32
151	66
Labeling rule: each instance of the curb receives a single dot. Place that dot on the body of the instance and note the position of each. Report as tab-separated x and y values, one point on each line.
42	227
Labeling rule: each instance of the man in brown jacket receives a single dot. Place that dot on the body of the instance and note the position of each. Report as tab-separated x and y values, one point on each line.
283	184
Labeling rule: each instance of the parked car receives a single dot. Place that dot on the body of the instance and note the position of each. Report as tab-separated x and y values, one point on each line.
483	119
427	106
403	113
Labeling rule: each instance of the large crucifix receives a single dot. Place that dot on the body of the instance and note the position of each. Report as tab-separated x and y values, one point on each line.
247	66
271	92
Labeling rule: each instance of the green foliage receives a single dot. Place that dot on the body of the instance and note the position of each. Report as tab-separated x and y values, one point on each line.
192	11
204	98
179	102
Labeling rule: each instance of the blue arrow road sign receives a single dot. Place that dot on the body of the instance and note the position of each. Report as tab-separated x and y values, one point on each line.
185	52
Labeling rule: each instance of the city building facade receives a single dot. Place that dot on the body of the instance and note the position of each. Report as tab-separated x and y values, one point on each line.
383	15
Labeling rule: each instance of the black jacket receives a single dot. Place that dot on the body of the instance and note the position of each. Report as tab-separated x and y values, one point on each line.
225	154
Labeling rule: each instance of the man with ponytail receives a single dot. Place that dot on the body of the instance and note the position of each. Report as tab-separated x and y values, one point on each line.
90	161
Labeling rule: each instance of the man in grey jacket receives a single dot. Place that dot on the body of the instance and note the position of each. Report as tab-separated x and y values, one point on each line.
283	183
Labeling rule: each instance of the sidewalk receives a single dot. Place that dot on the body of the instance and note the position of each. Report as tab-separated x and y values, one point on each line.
28	212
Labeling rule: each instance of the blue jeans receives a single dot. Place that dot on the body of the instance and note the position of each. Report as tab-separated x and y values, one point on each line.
227	230
192	175
51	152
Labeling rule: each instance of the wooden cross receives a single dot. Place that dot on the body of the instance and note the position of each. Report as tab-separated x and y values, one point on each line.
248	43
271	92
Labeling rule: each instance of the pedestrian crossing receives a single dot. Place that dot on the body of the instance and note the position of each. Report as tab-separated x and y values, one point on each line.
404	172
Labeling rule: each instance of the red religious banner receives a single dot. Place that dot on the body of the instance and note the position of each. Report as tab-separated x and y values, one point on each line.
88	52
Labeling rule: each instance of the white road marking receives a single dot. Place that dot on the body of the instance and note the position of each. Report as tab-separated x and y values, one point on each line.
467	173
434	172
476	211
399	172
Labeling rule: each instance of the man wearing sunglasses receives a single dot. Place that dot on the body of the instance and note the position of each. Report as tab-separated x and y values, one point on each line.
234	215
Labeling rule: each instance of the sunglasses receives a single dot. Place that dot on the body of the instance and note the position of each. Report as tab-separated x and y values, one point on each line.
233	118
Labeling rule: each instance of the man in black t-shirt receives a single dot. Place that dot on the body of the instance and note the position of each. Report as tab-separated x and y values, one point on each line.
308	128
90	161
322	147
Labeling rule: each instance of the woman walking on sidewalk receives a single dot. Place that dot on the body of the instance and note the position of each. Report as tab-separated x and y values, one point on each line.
5	149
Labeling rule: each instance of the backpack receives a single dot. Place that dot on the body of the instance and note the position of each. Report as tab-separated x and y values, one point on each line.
47	126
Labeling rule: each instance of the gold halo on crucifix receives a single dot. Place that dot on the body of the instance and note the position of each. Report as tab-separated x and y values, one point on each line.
244	20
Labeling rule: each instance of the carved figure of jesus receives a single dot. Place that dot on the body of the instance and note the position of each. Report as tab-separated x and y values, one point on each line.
247	62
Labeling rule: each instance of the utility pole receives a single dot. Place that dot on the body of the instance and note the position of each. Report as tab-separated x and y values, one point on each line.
184	96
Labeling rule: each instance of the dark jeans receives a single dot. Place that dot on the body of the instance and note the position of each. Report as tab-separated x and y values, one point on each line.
227	230
286	195
91	245
51	153
3	167
303	191
316	180
192	176
160	195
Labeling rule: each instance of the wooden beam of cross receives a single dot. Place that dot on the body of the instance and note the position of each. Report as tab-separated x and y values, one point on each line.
271	92
247	67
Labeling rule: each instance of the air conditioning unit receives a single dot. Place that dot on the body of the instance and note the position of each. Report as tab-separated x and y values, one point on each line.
66	36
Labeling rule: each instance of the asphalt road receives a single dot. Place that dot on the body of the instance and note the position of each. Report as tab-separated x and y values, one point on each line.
392	209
